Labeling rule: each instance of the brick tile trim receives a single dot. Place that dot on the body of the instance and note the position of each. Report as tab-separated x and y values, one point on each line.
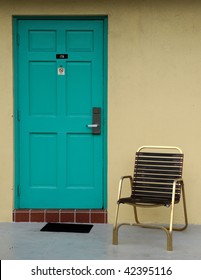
60	215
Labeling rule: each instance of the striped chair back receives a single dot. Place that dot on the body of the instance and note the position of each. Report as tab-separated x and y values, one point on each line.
154	174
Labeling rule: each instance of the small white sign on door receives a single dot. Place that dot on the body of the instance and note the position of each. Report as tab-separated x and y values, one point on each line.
61	71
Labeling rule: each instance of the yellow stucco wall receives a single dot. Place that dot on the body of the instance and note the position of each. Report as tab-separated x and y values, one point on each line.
154	86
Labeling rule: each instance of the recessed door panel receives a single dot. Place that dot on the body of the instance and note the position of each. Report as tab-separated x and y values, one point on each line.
80	41
42	40
79	177
42	88
79	88
43	160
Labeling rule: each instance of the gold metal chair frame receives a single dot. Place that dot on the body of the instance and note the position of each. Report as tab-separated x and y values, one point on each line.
169	229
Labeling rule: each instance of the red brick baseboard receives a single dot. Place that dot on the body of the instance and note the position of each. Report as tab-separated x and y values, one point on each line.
60	215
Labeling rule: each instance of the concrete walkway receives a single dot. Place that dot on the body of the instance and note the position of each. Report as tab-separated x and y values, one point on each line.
24	241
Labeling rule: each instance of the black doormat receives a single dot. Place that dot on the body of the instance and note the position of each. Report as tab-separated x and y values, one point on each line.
62	227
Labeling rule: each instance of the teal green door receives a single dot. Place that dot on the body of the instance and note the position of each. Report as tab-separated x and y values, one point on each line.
60	86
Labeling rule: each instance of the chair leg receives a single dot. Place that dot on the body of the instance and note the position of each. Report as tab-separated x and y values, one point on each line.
185	214
167	231
185	209
171	228
135	214
169	241
115	228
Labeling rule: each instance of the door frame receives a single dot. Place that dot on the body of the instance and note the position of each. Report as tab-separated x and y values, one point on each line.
16	42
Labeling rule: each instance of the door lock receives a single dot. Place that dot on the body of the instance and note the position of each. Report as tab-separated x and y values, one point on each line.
96	125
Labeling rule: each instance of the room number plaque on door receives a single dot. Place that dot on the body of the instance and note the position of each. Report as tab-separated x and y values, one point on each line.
61	71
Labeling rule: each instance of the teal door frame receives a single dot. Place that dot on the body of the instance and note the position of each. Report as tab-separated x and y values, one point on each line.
16	42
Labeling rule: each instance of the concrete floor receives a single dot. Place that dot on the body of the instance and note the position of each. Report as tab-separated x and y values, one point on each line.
24	241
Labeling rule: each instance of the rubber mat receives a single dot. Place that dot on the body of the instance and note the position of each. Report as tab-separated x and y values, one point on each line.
64	227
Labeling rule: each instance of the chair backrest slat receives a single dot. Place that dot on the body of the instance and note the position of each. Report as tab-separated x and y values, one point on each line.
153	178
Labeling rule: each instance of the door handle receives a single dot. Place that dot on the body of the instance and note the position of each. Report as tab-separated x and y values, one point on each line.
96	125
92	125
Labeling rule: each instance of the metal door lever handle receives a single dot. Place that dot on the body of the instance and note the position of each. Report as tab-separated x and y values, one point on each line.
92	125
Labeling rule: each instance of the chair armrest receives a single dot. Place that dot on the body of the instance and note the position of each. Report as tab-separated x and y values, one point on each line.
121	184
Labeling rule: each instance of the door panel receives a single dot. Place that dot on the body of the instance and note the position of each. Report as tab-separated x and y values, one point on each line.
80	41
42	162
42	40
79	88
76	162
61	161
42	101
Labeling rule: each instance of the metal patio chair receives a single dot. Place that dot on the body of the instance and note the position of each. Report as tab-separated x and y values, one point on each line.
157	181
